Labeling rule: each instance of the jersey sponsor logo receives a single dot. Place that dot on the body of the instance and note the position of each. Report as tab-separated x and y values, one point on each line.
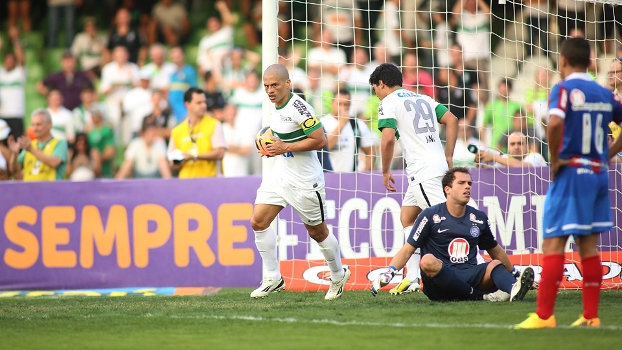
309	123
429	138
286	119
380	110
420	228
593	107
458	250
583	171
577	97
473	218
302	109
474	231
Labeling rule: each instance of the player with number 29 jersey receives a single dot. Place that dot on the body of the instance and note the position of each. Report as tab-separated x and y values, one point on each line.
415	118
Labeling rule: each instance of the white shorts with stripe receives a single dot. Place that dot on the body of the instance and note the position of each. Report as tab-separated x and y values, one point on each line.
424	194
309	204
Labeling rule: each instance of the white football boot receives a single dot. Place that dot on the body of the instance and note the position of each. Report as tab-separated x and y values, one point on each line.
268	286
336	288
522	285
499	295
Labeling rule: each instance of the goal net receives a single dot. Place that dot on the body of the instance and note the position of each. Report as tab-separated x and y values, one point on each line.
492	64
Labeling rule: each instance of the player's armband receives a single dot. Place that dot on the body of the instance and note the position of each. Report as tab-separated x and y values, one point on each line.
310	125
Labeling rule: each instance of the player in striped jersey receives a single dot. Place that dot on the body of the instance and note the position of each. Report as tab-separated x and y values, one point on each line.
296	180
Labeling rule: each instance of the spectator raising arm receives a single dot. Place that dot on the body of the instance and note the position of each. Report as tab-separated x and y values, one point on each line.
13	165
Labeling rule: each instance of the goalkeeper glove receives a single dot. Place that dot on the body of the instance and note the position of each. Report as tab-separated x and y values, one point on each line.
383	280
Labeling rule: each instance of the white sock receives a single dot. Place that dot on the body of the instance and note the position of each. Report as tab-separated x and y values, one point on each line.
330	250
412	265
266	245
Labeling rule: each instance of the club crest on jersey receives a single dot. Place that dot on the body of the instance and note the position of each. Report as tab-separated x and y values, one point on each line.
458	250
577	97
474	219
474	231
436	218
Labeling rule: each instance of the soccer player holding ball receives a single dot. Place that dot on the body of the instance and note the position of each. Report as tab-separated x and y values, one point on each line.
577	202
297	179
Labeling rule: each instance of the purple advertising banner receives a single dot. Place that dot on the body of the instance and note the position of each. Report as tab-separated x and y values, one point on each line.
114	234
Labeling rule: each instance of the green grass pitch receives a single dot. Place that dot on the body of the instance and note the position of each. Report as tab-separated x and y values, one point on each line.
296	320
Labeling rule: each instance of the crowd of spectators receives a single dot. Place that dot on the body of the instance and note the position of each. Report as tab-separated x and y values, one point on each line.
127	103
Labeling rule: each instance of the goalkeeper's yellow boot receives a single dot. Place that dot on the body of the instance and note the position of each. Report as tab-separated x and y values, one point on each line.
406	286
534	322
584	322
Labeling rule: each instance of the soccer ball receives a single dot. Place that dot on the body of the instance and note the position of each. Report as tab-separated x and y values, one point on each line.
264	138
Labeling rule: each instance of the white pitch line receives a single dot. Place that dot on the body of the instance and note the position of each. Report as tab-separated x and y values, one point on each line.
340	323
377	324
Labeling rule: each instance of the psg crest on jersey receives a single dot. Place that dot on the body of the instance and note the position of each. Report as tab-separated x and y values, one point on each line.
474	231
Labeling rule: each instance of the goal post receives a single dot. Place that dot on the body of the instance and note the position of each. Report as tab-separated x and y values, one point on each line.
522	40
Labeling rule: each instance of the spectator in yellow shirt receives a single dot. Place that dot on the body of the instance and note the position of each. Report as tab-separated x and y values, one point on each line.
42	159
197	144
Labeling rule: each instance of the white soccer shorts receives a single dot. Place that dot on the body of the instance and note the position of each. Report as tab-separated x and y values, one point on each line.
309	204
424	194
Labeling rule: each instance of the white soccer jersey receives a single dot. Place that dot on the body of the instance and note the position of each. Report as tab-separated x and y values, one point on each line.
160	76
12	92
415	118
62	124
293	122
342	157
249	114
213	47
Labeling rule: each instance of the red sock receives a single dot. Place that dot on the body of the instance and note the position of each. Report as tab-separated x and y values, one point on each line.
592	279
552	272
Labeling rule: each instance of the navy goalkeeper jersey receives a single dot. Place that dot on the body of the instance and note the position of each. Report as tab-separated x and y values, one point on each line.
452	240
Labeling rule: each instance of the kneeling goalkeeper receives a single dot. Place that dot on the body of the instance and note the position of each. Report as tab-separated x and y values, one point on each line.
448	235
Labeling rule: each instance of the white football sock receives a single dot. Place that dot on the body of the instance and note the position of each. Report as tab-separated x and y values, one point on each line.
266	245
330	250
412	265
